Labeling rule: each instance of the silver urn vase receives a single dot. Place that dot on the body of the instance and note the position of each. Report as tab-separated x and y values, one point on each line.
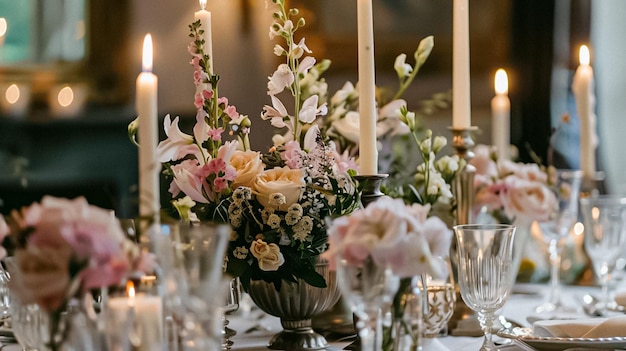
295	304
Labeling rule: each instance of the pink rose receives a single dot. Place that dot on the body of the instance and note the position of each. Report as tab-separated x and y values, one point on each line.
529	171
528	198
395	235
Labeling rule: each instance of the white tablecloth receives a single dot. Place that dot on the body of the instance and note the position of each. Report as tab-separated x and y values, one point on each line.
517	309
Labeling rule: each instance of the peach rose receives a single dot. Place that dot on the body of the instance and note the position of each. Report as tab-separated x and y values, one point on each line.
285	181
248	165
268	255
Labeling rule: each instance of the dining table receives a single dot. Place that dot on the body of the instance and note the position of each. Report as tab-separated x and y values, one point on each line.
255	328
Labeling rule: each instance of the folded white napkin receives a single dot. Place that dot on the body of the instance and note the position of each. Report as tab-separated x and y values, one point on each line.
581	328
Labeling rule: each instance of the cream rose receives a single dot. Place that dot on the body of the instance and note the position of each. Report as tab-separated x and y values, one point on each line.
248	165
285	181
268	255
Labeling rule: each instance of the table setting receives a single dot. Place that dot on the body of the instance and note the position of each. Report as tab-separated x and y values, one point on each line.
417	248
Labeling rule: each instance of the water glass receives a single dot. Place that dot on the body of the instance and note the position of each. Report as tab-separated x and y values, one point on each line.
191	257
27	322
605	234
556	229
485	257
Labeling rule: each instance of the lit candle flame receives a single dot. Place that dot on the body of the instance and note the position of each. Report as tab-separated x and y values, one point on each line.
147	53
501	82
12	94
130	289
583	55
65	96
202	4
595	213
579	229
3	26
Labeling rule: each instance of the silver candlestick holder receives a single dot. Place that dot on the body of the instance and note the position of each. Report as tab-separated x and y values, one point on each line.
369	186
464	321
463	186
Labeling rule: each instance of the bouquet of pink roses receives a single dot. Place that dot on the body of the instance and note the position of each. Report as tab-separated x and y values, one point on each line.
63	249
512	190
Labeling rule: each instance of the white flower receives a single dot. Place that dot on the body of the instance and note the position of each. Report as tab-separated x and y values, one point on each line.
282	78
310	110
348	127
277	112
297	50
345	93
268	256
174	147
402	68
390	119
240	252
273	221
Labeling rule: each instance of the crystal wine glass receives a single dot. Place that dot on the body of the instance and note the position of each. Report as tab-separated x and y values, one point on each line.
605	234
485	257
368	289
556	229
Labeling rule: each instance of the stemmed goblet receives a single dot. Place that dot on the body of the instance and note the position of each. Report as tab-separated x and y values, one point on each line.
556	229
485	257
605	234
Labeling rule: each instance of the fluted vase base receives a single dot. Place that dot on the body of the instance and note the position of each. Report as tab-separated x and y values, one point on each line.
297	335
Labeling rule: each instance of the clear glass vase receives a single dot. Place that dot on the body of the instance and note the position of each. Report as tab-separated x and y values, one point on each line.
406	331
72	328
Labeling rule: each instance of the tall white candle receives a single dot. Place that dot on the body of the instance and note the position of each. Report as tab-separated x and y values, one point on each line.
582	86
501	116
146	104
204	17
368	153
461	103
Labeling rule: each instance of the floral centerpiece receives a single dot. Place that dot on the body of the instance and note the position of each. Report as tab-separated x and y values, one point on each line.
277	201
62	249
